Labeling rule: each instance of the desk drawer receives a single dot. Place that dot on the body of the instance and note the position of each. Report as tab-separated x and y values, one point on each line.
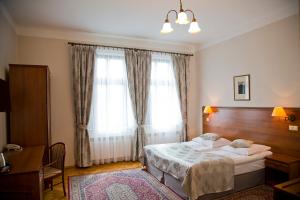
277	165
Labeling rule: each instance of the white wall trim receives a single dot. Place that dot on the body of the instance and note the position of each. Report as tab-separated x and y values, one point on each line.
96	38
255	24
8	17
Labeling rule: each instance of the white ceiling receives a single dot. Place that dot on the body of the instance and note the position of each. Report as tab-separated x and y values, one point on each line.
219	19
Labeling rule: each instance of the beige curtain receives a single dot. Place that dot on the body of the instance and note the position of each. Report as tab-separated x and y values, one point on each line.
181	71
138	64
83	60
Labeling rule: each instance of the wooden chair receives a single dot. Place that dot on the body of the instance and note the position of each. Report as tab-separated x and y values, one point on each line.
56	166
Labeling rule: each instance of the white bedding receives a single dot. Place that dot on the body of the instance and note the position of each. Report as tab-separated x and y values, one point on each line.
189	161
201	171
249	167
240	159
198	146
243	164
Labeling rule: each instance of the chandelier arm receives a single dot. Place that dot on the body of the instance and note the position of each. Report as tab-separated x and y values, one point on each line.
170	12
188	10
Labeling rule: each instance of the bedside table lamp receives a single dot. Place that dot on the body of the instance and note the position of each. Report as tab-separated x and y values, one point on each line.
280	112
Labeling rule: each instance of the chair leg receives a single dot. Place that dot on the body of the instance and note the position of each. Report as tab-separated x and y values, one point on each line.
51	183
63	183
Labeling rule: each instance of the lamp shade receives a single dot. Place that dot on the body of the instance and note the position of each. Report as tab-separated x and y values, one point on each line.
182	18
167	28
207	110
278	112
194	27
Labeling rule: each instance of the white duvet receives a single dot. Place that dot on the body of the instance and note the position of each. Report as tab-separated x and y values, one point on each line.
240	159
237	158
181	161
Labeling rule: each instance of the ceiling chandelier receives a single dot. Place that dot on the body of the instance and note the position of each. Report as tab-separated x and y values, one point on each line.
181	18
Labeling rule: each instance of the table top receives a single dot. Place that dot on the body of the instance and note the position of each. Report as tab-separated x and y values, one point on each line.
283	158
292	186
30	159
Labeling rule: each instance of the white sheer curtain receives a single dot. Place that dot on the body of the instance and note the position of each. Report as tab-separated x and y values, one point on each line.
164	121
111	124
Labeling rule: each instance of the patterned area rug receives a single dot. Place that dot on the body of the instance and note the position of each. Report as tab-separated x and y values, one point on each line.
261	192
127	184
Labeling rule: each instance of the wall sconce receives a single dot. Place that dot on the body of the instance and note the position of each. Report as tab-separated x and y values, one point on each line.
280	112
207	110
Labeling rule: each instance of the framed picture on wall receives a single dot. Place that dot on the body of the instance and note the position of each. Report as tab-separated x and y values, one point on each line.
241	86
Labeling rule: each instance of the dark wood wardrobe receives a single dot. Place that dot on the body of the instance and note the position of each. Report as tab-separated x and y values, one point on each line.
29	89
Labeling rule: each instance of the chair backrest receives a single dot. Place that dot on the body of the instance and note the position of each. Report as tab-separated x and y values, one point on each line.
57	153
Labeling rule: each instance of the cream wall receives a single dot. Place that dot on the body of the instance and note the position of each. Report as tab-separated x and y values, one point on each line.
194	109
8	54
55	54
271	55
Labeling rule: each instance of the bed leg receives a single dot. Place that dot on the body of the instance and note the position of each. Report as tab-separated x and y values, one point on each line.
163	178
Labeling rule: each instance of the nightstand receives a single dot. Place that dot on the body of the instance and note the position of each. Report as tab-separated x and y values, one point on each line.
287	190
281	168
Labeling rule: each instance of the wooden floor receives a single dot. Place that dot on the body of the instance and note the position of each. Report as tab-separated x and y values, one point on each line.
57	192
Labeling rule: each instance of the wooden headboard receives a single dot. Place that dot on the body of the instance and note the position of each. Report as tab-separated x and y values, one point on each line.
255	124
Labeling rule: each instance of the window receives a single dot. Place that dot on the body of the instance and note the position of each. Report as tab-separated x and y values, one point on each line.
164	116
111	125
111	112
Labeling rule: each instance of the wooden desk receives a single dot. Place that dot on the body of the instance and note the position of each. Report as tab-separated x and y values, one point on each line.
25	180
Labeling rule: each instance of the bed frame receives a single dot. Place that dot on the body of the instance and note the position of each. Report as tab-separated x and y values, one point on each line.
255	124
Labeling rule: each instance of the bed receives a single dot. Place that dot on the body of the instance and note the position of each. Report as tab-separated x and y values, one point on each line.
248	171
254	124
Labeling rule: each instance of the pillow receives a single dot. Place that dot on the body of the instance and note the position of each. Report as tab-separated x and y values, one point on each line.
253	149
212	144
210	136
198	140
241	143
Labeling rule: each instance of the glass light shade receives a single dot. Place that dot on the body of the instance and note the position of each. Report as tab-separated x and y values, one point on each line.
182	18
207	110
167	28
194	27
278	112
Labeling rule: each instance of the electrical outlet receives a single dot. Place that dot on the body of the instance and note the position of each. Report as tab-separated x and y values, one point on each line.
293	128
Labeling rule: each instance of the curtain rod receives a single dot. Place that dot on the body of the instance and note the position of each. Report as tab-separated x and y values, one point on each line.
97	45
